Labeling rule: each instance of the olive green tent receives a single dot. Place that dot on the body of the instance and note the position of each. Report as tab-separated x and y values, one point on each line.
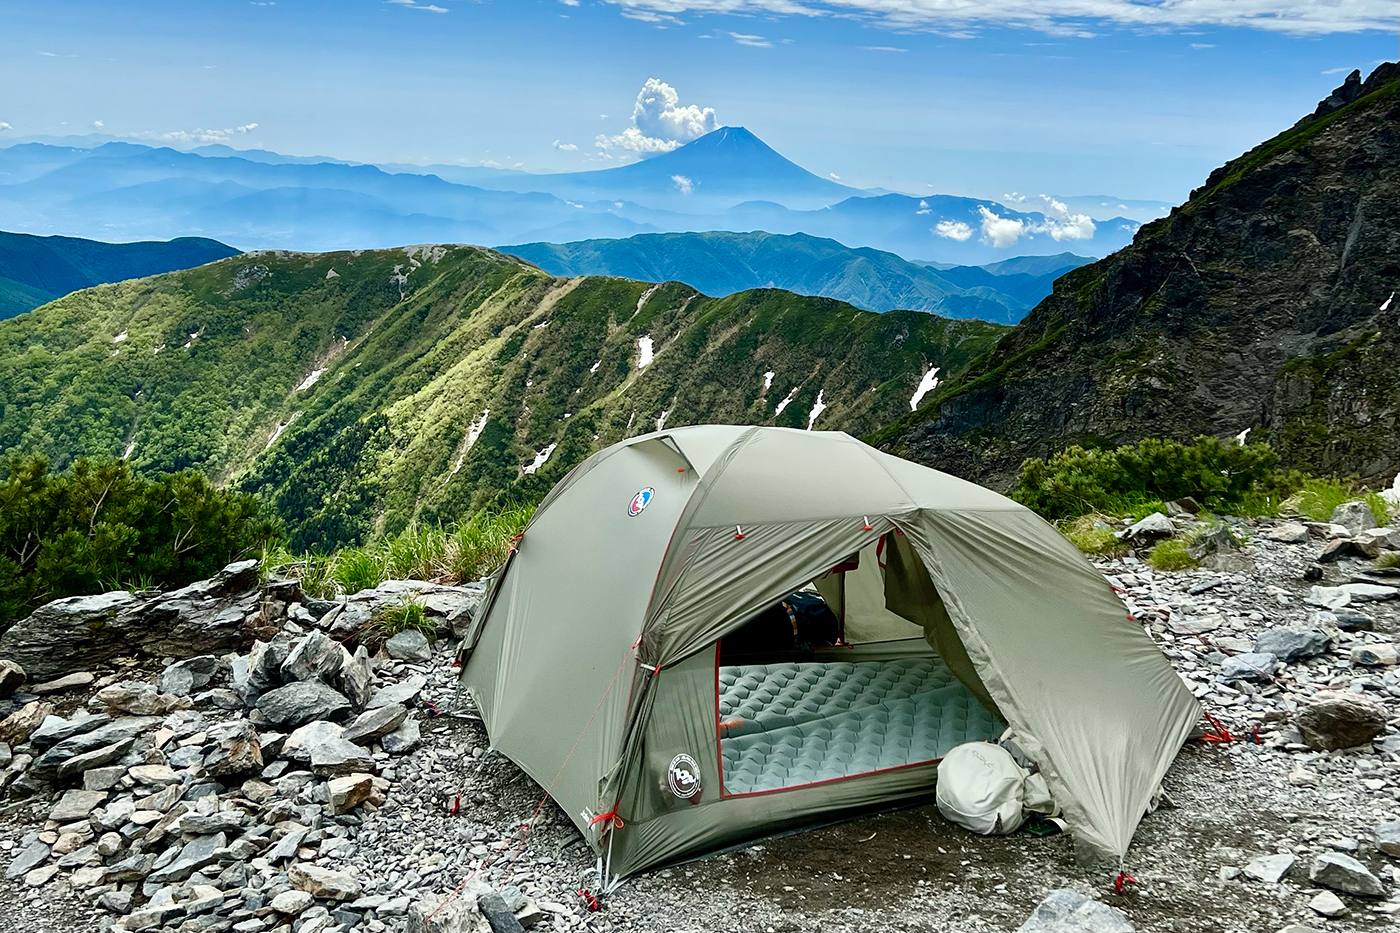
595	658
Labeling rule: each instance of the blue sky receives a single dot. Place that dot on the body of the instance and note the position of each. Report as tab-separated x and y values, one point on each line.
1138	98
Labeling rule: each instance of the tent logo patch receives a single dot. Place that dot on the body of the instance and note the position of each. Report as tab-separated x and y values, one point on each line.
640	501
683	776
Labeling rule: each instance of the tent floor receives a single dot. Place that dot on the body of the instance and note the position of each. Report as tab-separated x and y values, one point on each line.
794	724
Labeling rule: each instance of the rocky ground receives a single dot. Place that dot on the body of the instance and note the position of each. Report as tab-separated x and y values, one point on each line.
196	785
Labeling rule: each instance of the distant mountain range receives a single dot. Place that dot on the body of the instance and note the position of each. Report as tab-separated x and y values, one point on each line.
361	390
725	263
35	269
1267	303
726	180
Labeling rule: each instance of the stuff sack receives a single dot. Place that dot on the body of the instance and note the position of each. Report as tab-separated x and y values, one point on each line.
982	788
815	624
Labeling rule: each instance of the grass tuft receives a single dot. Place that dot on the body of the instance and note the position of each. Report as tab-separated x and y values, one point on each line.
1092	535
1172	554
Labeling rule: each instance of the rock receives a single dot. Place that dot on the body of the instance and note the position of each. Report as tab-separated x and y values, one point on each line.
409	645
498	914
190	675
64	683
1369	592
156	775
1355	517
1340	548
404	692
1287	533
1152	528
337	756
76	805
315	657
1343	873
300	703
102	778
194	855
1217	549
1292	644
300	745
1349	620
138	699
1195	624
1384	655
116	902
237	749
61	634
12	677
354	679
291	903
1388	539
374	723
30	857
404	739
323	882
47	765
350	791
1333	720
1270	868
82	764
1250	666
1388	838
17	727
1065	911
445	913
1327	904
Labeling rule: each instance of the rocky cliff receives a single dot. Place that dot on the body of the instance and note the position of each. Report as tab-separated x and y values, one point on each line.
1265	303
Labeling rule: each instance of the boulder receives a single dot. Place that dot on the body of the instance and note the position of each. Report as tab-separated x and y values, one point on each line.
1217	549
337	756
1253	666
1195	624
375	723
1354	548
21	724
193	855
303	741
1355	516
498	914
409	645
1147	530
1292	644
350	791
1065	911
1335	719
299	703
65	683
12	677
404	739
315	657
76	805
138	698
1270	869
291	903
59	636
34	854
1379	655
404	692
190	675
1287	533
355	678
237	749
47	765
1341	872
323	882
1388	838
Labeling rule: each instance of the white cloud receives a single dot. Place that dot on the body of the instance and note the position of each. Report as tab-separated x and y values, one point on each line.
882	48
1336	71
1060	222
415	5
98	124
660	122
1000	231
746	38
569	2
1202	45
1056	17
833	176
683	184
565	147
5	126
953	230
203	135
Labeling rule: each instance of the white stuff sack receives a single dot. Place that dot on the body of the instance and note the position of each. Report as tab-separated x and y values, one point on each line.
981	788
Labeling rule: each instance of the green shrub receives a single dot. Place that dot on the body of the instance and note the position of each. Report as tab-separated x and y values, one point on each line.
100	526
1171	554
390	621
1091	535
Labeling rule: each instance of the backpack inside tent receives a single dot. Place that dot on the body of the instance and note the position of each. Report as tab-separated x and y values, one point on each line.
710	634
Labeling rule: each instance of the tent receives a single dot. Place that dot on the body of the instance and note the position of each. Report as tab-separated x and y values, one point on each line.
596	658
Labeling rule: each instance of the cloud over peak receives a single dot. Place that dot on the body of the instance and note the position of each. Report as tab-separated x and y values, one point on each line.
660	122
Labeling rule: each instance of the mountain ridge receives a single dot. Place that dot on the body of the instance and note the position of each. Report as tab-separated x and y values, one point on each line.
1264	303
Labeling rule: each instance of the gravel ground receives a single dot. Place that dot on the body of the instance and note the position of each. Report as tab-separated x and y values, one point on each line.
909	869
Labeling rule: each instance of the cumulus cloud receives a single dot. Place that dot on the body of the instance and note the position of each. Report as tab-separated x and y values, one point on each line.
1000	231
98	124
565	147
1060	222
953	230
660	122
205	136
5	126
1057	17
683	184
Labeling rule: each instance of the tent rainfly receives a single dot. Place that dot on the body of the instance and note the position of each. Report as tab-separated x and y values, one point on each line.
596	659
